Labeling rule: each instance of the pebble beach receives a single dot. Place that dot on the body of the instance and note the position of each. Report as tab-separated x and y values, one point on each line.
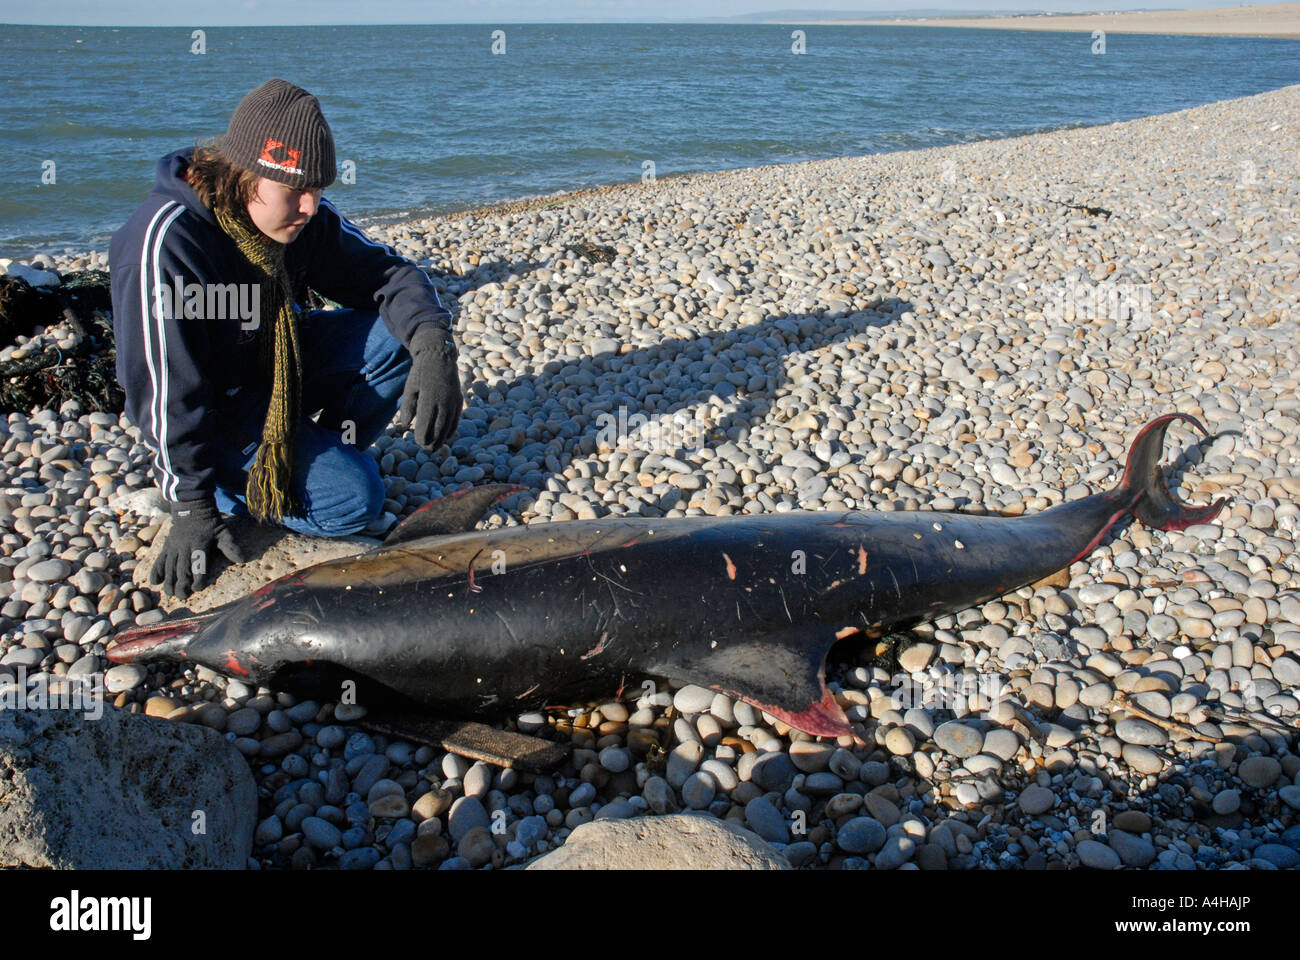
1270	20
980	327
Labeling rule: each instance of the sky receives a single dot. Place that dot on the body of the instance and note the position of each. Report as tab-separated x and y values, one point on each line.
267	12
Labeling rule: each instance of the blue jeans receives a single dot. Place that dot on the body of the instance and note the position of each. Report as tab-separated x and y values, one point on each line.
353	371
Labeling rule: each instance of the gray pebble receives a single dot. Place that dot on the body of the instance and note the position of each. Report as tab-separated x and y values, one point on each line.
372	770
243	722
1281	856
1226	802
692	699
1001	743
53	570
773	771
822	784
766	820
1034	800
619	808
478	779
1097	856
1259	772
268	831
861	835
362	858
358	745
698	790
958	739
659	795
722	775
897	850
582	795
125	676
530	830
1142	759
466	813
683	761
615	759
801	853
1141	732
1132	850
321	834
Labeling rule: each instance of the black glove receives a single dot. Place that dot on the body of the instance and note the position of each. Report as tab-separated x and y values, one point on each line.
186	557
432	400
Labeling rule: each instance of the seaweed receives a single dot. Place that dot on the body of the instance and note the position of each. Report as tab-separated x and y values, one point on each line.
84	372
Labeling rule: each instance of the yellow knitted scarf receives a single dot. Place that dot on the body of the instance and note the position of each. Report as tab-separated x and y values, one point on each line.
268	493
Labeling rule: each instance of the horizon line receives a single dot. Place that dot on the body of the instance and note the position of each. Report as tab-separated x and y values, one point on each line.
753	19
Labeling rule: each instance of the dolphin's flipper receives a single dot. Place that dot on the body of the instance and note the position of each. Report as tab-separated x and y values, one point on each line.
782	672
455	513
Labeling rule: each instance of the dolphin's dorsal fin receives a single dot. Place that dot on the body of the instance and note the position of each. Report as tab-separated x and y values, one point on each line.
455	513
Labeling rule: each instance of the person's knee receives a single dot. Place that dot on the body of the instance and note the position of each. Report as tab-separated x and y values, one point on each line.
355	500
363	507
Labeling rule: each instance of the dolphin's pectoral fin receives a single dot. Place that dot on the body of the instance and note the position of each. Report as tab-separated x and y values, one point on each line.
455	513
782	672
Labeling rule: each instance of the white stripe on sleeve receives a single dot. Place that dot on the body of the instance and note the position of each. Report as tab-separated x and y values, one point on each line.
155	338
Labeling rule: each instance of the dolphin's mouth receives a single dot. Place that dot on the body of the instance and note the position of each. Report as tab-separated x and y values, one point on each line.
166	641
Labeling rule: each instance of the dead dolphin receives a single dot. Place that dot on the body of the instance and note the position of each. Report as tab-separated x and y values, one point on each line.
467	622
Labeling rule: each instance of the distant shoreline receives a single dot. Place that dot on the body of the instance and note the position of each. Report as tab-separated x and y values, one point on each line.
1282	21
1266	20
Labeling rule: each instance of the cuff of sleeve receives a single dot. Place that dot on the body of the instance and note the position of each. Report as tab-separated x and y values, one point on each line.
204	508
434	338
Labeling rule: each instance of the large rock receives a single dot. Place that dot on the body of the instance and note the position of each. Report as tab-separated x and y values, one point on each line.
680	841
121	792
273	552
33	276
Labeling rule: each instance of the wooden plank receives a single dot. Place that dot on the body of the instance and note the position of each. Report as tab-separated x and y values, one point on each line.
477	741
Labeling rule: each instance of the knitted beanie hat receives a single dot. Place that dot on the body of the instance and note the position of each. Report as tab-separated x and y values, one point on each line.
279	132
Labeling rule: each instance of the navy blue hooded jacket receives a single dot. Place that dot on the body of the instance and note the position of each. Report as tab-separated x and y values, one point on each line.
175	367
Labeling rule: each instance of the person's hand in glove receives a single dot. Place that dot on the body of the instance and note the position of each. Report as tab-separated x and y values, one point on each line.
432	400
186	558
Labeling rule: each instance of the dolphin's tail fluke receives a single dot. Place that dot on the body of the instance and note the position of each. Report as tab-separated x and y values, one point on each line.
163	641
1143	485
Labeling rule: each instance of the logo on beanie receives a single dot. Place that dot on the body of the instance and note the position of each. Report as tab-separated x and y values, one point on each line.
287	163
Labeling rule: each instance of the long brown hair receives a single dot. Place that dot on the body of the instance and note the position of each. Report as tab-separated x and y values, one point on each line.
220	183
